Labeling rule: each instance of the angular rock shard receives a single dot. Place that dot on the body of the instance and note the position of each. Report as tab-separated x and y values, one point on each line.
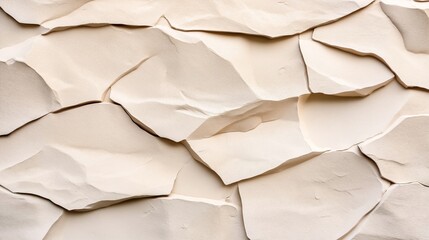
321	198
337	123
196	180
26	217
335	72
80	64
89	157
402	214
268	18
170	218
412	21
24	96
401	153
13	33
237	155
371	32
198	84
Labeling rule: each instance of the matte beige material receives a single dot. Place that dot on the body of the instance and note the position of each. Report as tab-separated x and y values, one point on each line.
403	213
89	157
322	198
402	152
197	83
237	155
259	17
196	180
25	217
335	72
336	123
412	21
12	32
371	32
80	64
24	96
170	218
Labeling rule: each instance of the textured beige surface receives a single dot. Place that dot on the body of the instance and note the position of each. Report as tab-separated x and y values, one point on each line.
214	119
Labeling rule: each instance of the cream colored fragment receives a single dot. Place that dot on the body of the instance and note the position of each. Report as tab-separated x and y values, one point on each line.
24	96
272	18
335	72
401	152
321	198
169	218
403	213
237	155
372	32
89	157
26	217
332	122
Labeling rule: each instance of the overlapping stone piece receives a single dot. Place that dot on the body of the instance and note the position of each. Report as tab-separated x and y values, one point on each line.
336	123
167	218
89	157
237	155
321	198
335	72
24	96
395	34
401	153
403	213
26	217
80	64
271	18
12	32
201	207
207	89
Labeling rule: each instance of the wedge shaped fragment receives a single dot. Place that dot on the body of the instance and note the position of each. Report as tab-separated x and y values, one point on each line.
401	153
403	213
170	218
238	155
89	157
80	64
26	217
257	17
24	96
321	198
337	123
13	33
335	72
372	32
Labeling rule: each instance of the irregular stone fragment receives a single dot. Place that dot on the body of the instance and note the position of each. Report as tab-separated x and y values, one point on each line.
321	198
402	214
39	11
371	32
124	12
80	64
196	180
272	68
412	21
237	155
12	32
25	217
89	157
24	96
170	218
259	17
401	153
269	18
331	122
335	72
198	84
